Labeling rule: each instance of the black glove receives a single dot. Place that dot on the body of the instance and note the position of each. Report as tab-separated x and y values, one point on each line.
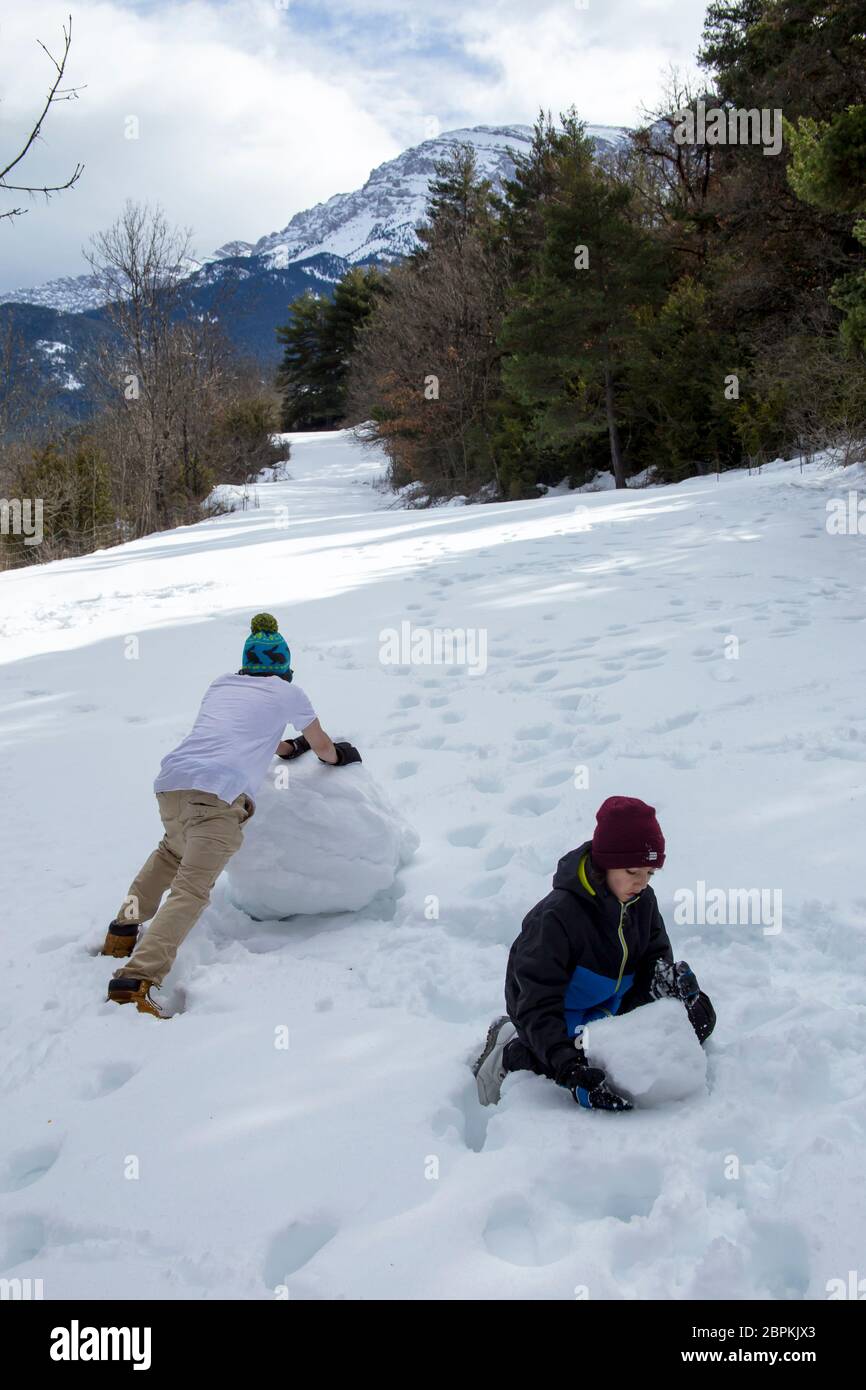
346	753
702	1016
591	1089
679	982
299	746
675	981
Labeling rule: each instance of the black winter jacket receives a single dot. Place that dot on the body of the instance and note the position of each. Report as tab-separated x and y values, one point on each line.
581	955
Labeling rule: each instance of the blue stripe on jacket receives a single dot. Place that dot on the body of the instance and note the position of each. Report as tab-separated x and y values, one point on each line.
591	996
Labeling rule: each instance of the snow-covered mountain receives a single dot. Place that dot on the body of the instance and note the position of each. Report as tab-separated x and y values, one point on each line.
378	221
373	223
70	294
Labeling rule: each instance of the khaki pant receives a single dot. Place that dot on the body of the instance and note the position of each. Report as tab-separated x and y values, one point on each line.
201	835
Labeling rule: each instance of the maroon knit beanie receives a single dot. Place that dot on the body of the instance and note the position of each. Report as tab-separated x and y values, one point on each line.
627	835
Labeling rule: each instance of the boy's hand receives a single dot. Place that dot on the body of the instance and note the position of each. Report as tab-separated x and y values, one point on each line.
290	748
346	753
674	981
686	982
591	1089
680	982
702	1016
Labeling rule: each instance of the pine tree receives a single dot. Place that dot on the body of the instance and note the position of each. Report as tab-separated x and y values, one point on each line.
520	205
302	376
681	421
318	343
576	322
829	170
458	202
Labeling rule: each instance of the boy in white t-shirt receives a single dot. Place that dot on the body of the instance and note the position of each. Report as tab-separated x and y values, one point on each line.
205	791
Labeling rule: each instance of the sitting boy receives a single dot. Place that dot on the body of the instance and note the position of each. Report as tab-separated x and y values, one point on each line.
594	947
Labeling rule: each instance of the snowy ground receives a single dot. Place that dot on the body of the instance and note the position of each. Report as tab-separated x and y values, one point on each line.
356	1162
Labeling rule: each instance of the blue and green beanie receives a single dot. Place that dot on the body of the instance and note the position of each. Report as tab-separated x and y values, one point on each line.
265	651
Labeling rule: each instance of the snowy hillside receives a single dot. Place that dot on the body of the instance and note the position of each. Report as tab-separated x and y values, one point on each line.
376	222
700	646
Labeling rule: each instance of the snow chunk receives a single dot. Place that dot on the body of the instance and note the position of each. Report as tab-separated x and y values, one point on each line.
328	841
651	1055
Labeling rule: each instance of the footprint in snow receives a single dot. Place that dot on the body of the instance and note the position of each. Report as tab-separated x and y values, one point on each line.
499	857
107	1079
488	782
523	1236
27	1166
626	1188
593	682
54	943
485	887
23	1238
647	653
555	779
536	657
404	770
467	836
681	762
293	1247
530	805
676	721
533	732
398	730
532	753
594	748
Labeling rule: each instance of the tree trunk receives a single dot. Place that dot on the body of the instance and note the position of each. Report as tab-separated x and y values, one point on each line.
613	431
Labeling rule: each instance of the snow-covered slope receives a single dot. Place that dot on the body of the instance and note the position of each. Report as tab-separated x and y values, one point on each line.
198	1157
71	294
376	222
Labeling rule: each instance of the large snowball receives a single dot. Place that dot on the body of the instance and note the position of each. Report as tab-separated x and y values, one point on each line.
651	1055
328	841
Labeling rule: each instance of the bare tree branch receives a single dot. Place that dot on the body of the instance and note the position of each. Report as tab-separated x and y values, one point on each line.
56	93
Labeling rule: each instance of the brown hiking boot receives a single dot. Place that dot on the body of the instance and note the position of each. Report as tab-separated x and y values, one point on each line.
126	989
120	939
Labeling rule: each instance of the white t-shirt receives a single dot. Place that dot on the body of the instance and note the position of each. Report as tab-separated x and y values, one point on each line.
234	737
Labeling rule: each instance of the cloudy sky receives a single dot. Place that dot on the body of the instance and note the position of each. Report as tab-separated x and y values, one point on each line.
244	112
